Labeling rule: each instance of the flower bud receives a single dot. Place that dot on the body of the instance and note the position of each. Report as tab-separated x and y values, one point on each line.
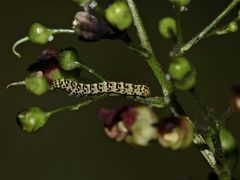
48	64
39	34
35	83
89	28
188	82
175	133
233	26
179	68
68	59
167	27
180	2
32	119
119	15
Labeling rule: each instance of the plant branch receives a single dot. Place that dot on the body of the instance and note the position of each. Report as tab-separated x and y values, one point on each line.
208	28
91	71
152	101
151	58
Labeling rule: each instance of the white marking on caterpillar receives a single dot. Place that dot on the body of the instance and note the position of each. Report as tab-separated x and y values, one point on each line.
81	89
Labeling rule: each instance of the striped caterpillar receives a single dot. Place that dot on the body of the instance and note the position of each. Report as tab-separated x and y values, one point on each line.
81	89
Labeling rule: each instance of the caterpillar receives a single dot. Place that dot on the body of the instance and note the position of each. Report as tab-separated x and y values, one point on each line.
81	89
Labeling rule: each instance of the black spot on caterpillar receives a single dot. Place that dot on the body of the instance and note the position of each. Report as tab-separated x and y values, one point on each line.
81	89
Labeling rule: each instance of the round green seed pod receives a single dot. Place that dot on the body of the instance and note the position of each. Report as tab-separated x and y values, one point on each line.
39	34
118	15
179	68
68	59
233	26
167	27
32	119
188	82
36	83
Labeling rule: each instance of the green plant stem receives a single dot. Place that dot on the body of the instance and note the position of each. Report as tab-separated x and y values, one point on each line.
152	101
226	116
204	109
151	58
75	107
179	27
169	96
63	31
91	71
208	28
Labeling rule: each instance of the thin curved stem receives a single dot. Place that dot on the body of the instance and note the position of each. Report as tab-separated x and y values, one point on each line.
20	83
20	41
208	28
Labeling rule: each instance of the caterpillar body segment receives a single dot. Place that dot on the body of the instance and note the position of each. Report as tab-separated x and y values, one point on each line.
81	89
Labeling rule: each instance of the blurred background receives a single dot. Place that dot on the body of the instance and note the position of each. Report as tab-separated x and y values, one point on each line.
73	145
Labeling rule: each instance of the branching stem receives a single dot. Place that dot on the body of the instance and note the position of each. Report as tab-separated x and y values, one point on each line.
209	27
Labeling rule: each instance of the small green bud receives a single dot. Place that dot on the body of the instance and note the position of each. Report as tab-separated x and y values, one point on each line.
39	34
188	82
180	2
68	59
233	26
167	27
32	119
179	68
35	83
229	143
118	15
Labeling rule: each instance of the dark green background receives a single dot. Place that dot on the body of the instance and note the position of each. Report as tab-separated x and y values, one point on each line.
73	146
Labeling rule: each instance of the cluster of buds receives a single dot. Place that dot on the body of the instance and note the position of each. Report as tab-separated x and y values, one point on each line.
134	124
51	65
139	125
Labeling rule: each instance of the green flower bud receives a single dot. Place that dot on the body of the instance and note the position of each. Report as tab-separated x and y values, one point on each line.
39	34
118	15
68	59
35	83
179	68
32	119
180	2
167	27
229	143
233	26
188	82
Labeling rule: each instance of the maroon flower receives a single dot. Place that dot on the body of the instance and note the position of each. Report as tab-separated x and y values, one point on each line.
47	62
